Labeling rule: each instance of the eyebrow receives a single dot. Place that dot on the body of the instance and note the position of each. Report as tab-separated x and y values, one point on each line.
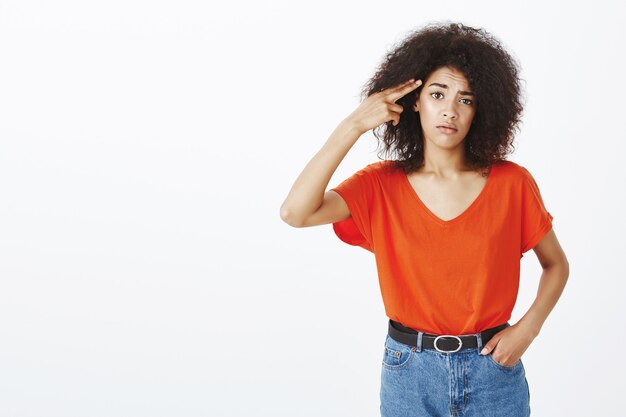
463	93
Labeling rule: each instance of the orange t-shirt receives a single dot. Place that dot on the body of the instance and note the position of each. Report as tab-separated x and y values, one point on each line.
459	276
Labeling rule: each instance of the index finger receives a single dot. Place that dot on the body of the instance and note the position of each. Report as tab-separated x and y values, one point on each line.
403	89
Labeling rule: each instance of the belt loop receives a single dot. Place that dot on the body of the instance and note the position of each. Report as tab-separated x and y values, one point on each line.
479	342
419	341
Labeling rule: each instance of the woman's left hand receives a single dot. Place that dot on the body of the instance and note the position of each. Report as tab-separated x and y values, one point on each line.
509	344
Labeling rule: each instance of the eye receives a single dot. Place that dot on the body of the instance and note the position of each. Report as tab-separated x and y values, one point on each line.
465	100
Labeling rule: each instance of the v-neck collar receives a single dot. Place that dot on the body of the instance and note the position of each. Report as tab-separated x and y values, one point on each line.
460	216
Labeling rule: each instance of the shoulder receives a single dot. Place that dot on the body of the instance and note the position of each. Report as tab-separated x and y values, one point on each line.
513	171
518	178
384	167
372	177
380	165
378	169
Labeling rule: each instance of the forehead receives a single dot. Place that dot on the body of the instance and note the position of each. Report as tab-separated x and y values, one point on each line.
450	76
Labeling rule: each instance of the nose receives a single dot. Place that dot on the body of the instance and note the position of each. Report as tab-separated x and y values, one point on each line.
450	111
450	114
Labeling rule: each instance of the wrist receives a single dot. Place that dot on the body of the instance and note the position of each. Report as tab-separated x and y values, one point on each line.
531	326
353	127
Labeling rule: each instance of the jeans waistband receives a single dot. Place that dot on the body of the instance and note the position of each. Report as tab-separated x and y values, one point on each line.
442	343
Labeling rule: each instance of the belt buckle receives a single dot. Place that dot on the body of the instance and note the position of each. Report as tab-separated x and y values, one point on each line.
448	351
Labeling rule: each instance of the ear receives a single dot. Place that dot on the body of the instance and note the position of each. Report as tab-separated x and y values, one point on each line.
416	105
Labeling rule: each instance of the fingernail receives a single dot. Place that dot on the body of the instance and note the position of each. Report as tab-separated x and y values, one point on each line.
484	351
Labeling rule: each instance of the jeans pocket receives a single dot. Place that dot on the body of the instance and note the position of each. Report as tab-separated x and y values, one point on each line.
396	355
507	367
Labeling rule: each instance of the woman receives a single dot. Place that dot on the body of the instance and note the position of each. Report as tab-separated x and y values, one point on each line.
448	220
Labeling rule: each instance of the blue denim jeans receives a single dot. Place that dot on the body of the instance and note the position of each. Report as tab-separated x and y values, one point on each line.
418	382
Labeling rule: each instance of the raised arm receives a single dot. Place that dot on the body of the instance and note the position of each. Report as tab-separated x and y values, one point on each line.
308	204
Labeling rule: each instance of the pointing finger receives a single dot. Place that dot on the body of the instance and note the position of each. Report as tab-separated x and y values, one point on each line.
403	89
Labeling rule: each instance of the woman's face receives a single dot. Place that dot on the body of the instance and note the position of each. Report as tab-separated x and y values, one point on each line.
446	99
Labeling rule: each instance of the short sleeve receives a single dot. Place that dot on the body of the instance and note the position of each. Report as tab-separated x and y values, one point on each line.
536	220
358	193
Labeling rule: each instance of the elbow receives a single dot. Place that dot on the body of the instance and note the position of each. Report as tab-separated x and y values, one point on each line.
287	217
561	265
566	269
564	265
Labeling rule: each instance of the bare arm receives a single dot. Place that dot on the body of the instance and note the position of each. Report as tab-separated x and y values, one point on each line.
307	193
553	279
508	345
308	204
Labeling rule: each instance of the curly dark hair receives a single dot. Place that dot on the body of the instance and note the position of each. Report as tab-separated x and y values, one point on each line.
492	74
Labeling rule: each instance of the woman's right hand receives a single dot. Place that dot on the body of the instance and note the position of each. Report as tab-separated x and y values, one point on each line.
381	107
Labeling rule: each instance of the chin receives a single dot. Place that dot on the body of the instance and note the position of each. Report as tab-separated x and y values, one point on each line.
447	141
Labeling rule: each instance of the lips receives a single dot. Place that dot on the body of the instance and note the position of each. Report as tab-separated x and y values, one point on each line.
447	126
447	130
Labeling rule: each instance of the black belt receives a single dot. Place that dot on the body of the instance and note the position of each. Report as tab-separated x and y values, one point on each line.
444	343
